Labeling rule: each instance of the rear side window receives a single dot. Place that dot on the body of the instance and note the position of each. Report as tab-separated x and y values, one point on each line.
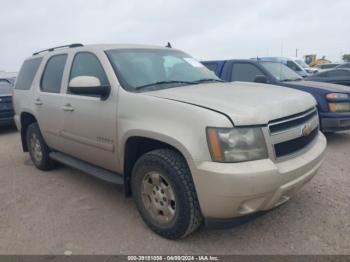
52	78
87	64
211	66
245	72
27	73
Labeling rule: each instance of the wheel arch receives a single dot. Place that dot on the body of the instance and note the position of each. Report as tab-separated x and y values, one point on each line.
136	146
26	119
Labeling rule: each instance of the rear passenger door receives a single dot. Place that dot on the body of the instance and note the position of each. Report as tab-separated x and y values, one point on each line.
245	72
48	100
90	123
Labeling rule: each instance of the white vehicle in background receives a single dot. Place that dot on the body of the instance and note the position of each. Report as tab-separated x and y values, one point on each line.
328	66
290	62
305	66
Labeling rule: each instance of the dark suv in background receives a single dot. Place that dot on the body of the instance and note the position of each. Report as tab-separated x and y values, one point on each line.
333	101
6	108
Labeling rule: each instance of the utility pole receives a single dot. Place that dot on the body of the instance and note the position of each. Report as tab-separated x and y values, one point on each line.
296	52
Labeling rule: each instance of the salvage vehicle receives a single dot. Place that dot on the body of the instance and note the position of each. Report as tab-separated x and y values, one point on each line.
340	76
333	101
189	148
6	108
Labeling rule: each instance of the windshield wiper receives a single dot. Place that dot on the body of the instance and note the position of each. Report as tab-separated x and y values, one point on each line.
165	82
179	82
290	80
208	80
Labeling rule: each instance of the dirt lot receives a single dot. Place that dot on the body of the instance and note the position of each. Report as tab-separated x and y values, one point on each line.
68	211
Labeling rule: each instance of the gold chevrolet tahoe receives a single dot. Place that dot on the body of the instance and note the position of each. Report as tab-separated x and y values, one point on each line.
189	148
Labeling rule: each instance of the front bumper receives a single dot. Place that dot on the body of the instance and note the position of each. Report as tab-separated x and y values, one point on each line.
232	190
6	121
335	124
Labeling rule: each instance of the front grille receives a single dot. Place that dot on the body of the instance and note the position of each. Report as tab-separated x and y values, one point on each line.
286	124
6	109
292	134
294	145
5	99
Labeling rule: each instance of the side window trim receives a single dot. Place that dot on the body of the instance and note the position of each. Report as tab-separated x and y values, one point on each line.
44	70
72	63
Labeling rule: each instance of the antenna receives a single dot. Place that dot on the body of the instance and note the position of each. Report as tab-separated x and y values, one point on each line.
168	45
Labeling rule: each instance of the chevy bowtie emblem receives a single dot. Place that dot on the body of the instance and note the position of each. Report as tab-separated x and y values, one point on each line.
306	130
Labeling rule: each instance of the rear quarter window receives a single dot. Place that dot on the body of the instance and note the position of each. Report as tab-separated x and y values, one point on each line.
27	73
52	77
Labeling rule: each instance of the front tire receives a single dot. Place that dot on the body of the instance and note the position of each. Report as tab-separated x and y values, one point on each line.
38	149
165	195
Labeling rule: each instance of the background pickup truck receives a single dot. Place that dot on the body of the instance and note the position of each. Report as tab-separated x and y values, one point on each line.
333	100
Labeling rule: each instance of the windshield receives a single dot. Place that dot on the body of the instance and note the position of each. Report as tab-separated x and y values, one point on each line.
280	71
155	69
301	63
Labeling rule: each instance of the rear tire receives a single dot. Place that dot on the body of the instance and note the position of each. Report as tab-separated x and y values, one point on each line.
38	149
165	195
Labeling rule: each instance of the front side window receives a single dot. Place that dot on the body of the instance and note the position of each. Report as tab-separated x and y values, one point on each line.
154	69
27	73
87	64
52	78
280	71
245	72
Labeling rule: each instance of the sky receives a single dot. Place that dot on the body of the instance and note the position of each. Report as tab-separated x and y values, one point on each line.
206	29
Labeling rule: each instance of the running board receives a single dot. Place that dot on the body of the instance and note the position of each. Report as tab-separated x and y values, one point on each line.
85	167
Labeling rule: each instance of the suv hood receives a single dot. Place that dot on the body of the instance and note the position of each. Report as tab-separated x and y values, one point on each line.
245	103
319	85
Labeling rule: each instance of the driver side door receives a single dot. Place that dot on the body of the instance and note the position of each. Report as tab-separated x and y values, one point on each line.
89	122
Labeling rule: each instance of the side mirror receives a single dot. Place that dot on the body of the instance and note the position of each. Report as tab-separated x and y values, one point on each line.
260	79
88	85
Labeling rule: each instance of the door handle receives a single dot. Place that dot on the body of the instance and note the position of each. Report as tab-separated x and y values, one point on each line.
38	102
68	108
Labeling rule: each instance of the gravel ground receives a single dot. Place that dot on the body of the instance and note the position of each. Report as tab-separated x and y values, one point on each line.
65	211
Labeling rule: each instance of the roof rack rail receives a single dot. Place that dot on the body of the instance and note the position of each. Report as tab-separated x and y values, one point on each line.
58	47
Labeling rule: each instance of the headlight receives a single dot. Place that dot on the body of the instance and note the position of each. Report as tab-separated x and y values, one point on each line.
339	107
337	96
236	144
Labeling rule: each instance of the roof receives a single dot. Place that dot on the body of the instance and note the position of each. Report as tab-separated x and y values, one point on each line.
103	47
